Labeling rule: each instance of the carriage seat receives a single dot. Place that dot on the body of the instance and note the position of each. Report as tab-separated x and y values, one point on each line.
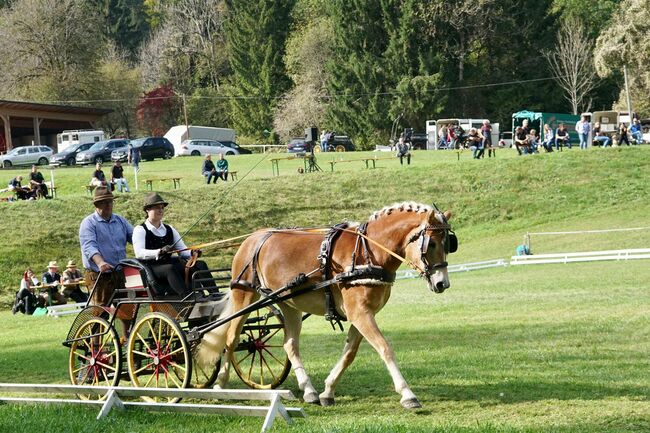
146	274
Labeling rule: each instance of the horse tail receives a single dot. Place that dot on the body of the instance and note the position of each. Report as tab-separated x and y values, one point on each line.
214	341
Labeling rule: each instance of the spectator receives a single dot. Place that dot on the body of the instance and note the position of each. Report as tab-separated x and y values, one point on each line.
154	242
72	280
403	151
134	156
22	193
622	135
222	168
636	131
117	177
37	183
98	179
521	140
525	126
549	138
103	236
582	128
562	137
26	299
323	141
330	140
451	137
443	140
475	140
51	281
208	169
532	140
486	132
600	137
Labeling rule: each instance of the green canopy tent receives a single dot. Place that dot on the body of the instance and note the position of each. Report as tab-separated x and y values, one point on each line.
537	120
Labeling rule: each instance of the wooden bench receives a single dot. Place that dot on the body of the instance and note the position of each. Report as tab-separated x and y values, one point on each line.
231	174
51	188
372	159
175	180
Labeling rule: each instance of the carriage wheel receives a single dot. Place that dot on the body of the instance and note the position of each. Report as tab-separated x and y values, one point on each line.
158	355
317	148
340	148
95	358
203	376
260	360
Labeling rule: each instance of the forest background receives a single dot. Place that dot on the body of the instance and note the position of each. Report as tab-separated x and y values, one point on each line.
270	68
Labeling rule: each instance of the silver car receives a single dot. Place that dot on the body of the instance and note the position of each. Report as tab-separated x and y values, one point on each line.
27	155
204	147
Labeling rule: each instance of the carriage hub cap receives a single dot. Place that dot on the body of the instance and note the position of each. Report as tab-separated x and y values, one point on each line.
92	362
156	360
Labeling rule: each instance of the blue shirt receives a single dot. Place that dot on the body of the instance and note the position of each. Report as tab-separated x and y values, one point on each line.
106	238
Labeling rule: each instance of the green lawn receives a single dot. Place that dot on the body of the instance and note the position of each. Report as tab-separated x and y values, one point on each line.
542	348
547	348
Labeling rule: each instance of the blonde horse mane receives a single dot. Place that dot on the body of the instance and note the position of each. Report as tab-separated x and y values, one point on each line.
407	206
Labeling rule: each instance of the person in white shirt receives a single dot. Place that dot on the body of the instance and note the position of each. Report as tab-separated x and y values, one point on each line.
155	242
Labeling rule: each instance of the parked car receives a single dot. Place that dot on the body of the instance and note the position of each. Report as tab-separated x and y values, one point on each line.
27	155
100	151
237	147
150	148
205	147
418	140
298	145
69	155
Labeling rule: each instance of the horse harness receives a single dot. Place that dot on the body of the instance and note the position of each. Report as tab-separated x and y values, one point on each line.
423	237
354	272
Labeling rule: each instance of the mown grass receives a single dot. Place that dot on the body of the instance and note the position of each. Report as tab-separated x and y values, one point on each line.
525	349
549	348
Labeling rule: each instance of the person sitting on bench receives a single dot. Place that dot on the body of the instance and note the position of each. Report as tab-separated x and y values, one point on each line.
154	242
403	151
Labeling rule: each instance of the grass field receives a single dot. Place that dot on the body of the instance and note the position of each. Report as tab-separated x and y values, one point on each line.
548	348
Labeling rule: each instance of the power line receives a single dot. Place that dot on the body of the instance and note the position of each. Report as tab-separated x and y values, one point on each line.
330	96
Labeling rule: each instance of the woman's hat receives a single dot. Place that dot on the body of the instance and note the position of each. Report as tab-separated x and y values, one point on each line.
53	264
72	264
153	199
102	193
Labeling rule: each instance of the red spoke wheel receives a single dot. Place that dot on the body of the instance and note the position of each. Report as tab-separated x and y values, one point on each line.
95	356
158	355
260	360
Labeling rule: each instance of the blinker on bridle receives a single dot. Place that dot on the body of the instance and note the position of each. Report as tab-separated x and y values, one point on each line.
450	242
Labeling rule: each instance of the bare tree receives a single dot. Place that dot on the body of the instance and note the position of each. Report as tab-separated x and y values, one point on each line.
572	62
46	51
187	46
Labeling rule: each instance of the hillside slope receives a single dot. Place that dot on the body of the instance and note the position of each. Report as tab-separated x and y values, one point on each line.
494	201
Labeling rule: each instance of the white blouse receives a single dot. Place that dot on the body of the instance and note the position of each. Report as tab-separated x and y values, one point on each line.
139	241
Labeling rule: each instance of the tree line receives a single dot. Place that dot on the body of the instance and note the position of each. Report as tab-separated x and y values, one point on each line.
270	68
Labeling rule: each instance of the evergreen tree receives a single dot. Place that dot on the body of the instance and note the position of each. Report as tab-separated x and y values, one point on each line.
379	69
256	31
125	22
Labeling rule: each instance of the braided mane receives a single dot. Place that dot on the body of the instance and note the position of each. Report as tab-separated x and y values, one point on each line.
407	206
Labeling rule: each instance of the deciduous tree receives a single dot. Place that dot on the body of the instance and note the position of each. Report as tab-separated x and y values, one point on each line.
572	62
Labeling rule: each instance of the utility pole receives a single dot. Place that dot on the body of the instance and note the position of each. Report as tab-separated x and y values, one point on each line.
627	93
187	128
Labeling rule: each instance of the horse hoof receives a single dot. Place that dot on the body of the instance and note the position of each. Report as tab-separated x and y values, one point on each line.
327	401
312	398
411	403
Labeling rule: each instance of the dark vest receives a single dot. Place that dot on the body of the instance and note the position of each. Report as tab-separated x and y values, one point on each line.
153	242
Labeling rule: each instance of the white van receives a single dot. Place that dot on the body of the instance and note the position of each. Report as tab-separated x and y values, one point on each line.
78	136
179	133
432	127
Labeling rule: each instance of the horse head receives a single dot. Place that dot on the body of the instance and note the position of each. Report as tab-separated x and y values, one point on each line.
428	246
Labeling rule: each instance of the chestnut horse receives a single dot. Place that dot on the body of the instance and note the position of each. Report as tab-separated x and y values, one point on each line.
269	259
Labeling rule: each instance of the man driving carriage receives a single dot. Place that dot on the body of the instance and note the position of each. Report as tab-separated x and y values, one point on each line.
154	242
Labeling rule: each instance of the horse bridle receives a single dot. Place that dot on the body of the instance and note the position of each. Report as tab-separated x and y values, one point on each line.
423	237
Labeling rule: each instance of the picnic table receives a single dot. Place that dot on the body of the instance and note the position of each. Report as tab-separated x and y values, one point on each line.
367	160
176	181
275	167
